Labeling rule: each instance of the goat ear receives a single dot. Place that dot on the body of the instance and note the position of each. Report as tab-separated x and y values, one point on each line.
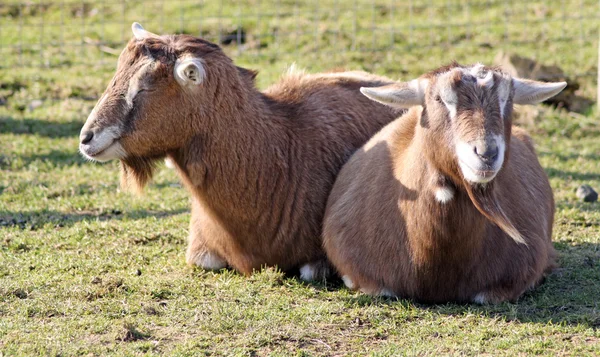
189	71
139	33
531	92
400	95
248	73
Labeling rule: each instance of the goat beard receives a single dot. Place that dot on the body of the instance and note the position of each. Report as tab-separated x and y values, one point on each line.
136	172
486	202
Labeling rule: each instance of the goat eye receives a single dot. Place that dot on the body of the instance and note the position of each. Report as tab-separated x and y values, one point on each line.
438	99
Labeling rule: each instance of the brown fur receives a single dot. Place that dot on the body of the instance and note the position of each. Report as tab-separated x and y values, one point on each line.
259	166
385	230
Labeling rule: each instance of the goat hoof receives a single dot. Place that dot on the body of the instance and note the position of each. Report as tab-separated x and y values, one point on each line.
489	298
348	282
386	293
317	270
208	261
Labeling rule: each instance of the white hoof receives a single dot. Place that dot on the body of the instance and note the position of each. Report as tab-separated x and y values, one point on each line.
348	282
317	270
210	261
480	299
307	272
386	293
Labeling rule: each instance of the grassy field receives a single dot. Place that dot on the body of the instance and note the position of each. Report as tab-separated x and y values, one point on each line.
86	269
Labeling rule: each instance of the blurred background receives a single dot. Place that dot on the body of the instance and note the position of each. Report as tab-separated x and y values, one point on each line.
53	50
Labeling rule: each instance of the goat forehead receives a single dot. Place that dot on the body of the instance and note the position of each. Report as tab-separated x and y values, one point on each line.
477	83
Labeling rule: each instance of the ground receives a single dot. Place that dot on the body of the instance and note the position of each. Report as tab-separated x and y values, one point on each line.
86	269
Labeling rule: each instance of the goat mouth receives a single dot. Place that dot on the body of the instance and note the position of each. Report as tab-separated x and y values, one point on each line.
108	152
477	175
86	149
485	173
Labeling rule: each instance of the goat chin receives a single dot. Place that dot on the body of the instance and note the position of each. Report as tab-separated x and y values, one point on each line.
136	172
484	199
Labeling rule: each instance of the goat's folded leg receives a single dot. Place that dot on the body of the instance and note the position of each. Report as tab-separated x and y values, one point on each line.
199	255
316	270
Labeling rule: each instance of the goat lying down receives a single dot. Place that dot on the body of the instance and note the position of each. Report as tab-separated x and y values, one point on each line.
449	201
259	166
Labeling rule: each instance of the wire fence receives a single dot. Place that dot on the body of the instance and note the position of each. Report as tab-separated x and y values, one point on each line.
386	35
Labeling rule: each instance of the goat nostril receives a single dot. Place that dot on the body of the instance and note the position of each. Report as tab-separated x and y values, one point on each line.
486	152
86	137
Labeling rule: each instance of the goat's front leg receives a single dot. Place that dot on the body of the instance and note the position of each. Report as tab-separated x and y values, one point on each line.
198	254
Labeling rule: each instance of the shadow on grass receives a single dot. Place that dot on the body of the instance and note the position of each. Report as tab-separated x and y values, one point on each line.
33	220
53	159
40	127
572	175
580	206
568	157
568	296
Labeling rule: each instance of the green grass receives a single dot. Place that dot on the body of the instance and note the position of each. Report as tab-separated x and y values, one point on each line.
86	269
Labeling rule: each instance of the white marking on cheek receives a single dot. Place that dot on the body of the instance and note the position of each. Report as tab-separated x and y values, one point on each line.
451	109
502	105
448	95
503	93
444	194
134	83
501	150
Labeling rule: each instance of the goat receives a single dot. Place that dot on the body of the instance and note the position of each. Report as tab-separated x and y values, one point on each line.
259	165
448	202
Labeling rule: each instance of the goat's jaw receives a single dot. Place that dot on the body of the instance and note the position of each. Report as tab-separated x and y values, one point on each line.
104	146
475	170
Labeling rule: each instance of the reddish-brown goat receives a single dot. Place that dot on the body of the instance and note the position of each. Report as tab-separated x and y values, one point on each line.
433	207
259	166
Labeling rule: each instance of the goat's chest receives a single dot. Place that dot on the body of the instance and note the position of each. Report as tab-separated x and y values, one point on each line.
444	237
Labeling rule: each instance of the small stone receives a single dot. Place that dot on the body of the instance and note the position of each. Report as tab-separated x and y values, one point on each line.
149	310
138	272
587	194
20	293
34	104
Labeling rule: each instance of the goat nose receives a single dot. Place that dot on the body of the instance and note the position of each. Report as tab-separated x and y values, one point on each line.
486	150
86	137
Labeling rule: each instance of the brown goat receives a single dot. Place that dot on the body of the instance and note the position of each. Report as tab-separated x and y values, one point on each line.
259	166
433	207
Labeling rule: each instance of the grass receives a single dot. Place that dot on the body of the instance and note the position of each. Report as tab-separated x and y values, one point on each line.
88	270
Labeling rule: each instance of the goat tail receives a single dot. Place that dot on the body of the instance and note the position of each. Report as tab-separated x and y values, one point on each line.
486	203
